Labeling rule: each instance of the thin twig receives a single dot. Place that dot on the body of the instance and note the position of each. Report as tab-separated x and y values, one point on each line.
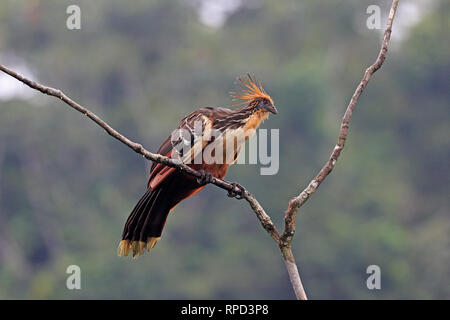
298	201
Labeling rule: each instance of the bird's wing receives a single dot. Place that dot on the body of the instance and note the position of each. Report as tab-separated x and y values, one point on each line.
185	143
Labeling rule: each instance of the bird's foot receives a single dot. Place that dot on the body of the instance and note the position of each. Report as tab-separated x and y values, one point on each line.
237	191
205	178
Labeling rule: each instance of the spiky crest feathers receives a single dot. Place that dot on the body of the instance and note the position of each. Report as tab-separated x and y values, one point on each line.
252	90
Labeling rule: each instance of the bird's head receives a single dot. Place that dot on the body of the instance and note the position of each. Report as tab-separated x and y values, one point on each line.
265	104
254	96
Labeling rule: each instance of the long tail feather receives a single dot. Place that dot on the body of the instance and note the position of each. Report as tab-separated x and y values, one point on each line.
144	226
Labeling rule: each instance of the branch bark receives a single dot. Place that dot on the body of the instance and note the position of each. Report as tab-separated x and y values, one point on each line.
284	241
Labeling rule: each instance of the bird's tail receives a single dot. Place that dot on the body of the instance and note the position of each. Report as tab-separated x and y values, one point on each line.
145	224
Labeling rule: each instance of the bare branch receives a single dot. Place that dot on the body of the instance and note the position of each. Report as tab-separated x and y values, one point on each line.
296	202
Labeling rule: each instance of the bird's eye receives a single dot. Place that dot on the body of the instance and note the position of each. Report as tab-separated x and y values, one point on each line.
263	103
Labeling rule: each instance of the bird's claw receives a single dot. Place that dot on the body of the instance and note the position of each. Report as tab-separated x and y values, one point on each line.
205	178
237	191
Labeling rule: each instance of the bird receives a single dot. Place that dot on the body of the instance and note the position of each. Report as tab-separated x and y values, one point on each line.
220	132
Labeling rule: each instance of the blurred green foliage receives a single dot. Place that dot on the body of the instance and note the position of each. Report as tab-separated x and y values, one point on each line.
66	188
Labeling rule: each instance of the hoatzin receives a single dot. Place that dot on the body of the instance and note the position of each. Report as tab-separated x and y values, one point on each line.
197	131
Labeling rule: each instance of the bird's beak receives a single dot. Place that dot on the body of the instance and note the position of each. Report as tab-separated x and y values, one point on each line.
272	109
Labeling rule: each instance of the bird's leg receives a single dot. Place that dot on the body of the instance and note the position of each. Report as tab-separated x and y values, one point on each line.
205	178
237	191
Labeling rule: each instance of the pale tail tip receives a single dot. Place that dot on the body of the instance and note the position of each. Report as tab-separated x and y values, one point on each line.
136	247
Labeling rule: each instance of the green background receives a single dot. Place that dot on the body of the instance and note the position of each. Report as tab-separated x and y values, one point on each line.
66	187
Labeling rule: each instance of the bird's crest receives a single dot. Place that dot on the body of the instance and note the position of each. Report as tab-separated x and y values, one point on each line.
251	90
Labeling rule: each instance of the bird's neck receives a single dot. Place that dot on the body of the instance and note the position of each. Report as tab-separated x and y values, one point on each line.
245	118
255	120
